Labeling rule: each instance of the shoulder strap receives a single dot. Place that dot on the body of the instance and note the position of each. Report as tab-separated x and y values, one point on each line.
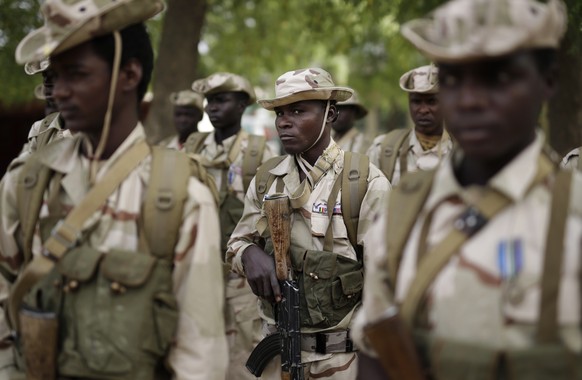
389	148
195	141
405	202
45	134
553	258
252	158
166	193
354	187
32	183
264	179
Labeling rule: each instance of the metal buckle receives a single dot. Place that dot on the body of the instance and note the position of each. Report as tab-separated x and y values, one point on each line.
470	221
321	343
63	240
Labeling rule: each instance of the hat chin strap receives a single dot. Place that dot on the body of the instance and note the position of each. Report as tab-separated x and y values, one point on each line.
322	127
107	121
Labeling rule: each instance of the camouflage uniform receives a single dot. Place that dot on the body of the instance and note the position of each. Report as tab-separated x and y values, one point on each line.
353	140
54	131
309	223
422	80
199	348
481	311
243	324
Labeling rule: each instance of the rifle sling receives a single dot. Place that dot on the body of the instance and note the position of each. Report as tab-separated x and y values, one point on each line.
66	233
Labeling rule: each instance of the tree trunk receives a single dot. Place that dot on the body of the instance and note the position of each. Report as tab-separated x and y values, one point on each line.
565	109
177	62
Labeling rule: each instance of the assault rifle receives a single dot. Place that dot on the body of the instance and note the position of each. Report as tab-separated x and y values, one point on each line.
287	340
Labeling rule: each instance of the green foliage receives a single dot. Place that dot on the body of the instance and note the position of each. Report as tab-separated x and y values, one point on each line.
17	18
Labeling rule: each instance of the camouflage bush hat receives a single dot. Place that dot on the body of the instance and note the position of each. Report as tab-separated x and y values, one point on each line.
224	82
35	67
305	84
354	101
69	23
187	98
422	80
464	30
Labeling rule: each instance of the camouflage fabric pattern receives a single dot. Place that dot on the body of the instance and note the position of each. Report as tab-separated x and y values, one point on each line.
224	82
69	23
200	349
417	158
464	30
354	101
305	84
35	67
187	98
475	298
422	80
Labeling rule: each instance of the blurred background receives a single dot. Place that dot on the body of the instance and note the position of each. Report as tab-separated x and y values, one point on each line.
357	41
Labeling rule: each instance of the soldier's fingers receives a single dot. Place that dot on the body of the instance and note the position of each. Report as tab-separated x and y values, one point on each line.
276	288
253	286
267	291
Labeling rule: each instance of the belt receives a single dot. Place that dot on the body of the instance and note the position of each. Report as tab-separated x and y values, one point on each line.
328	342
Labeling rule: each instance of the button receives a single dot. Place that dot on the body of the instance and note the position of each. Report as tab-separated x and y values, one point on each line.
73	284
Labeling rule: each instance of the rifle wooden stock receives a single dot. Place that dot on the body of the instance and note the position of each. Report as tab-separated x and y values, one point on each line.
393	343
278	216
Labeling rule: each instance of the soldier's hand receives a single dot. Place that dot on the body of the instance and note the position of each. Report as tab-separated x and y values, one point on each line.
260	272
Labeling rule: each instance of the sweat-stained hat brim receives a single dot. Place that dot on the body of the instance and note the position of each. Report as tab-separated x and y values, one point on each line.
328	93
62	31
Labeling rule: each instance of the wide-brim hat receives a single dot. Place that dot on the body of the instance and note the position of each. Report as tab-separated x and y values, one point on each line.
70	23
187	98
354	101
465	30
35	67
423	80
224	82
305	84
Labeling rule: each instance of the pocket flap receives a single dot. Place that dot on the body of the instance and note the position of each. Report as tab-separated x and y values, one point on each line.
320	263
352	282
80	263
128	268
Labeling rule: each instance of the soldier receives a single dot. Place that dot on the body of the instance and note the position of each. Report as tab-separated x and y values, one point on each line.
305	110
232	156
113	244
344	132
422	147
188	111
572	160
52	127
483	254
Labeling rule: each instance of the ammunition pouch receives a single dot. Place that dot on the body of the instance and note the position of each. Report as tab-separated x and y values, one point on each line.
455	361
330	286
117	312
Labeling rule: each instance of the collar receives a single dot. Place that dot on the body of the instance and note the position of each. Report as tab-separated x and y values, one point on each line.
513	180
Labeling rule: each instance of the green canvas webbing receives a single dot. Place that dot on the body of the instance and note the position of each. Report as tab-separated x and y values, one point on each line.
390	151
252	159
354	187
195	142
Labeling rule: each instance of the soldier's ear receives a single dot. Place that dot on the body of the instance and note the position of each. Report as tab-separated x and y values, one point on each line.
332	114
130	75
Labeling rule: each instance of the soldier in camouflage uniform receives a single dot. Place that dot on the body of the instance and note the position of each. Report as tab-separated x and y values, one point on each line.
111	259
487	272
422	147
344	132
188	111
305	109
228	152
